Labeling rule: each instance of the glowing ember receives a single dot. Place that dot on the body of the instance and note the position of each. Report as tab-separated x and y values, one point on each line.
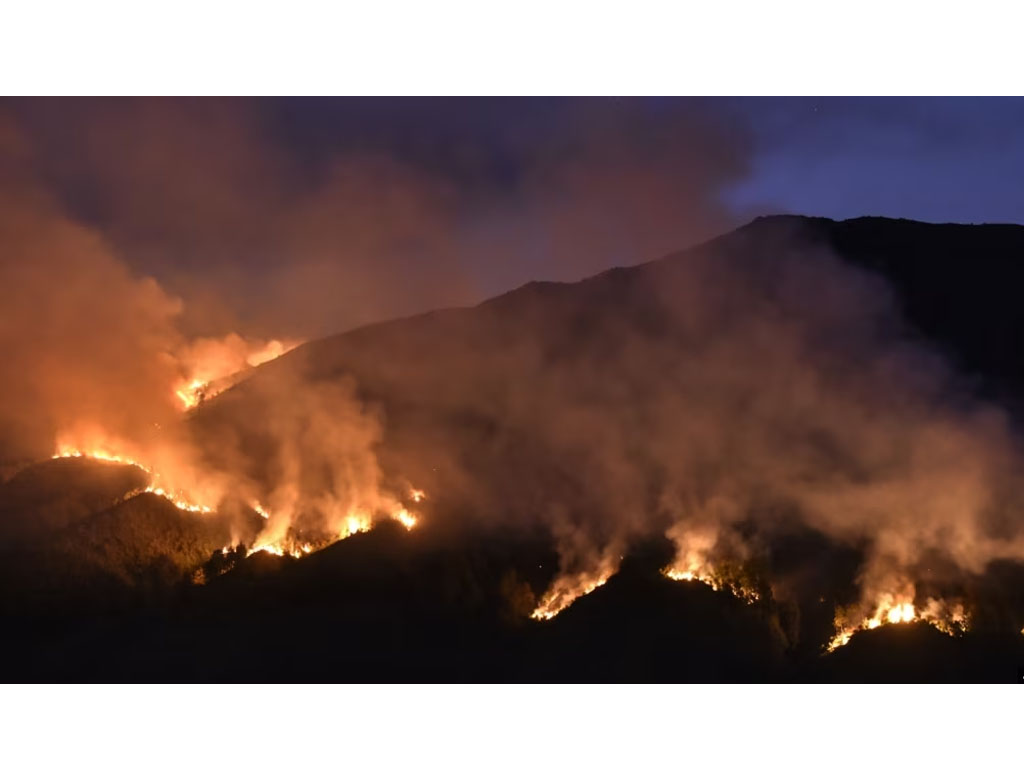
417	495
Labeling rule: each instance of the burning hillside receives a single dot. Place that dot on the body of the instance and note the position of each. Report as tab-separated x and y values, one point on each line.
722	401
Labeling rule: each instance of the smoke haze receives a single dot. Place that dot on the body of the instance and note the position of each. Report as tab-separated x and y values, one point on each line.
715	397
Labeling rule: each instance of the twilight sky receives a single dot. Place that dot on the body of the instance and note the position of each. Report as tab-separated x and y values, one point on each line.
940	159
310	216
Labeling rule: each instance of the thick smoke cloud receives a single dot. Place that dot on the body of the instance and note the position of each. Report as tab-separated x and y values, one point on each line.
148	243
83	339
304	218
722	398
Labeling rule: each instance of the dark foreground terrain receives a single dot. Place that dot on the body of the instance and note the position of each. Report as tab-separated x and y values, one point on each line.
380	607
95	588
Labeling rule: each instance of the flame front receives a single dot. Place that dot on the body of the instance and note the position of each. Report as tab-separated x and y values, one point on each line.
406	518
693	562
899	608
279	542
564	592
99	455
178	498
205	368
570	586
714	579
214	365
192	393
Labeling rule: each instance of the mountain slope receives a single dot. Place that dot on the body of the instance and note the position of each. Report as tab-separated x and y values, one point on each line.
560	423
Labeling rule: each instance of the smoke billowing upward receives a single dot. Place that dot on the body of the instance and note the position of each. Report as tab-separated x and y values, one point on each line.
721	398
155	251
292	219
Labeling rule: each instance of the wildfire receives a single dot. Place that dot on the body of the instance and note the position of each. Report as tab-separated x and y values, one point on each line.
717	581
280	550
403	515
214	365
562	596
406	518
952	619
99	455
568	587
694	557
278	543
177	498
355	522
272	549
192	393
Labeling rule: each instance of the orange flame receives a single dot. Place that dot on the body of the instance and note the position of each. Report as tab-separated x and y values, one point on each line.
564	593
192	393
213	365
406	518
950	618
177	498
355	522
568	587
